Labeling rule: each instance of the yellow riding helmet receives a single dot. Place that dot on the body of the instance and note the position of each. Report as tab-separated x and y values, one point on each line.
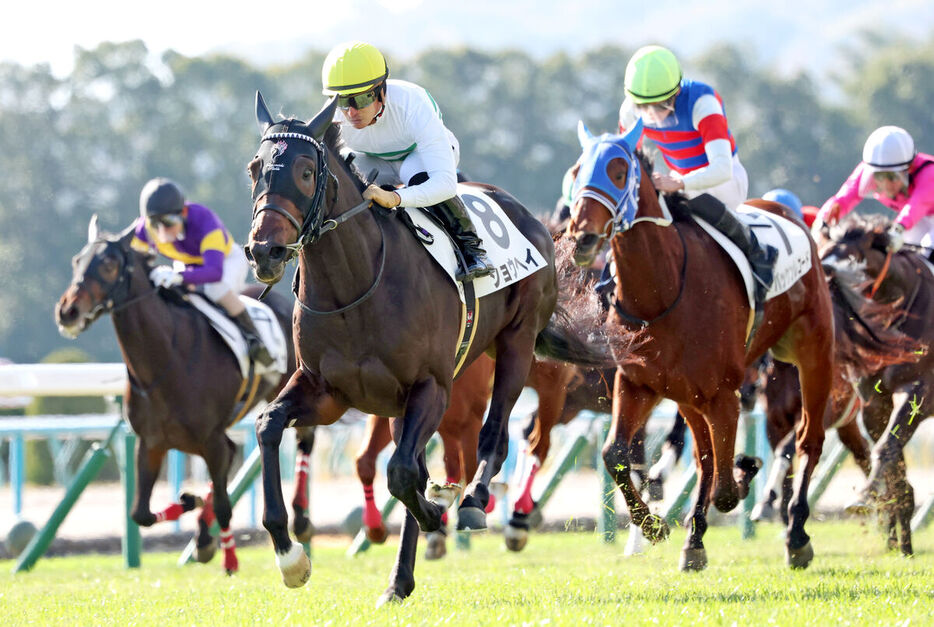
353	67
652	75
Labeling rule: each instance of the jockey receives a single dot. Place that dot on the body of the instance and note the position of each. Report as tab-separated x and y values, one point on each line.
896	175
395	127
787	198
686	120
195	238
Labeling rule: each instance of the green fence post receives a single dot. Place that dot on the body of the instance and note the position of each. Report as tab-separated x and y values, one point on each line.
606	521
132	541
93	461
17	471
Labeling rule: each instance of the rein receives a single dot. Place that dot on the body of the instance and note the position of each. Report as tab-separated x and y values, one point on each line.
882	274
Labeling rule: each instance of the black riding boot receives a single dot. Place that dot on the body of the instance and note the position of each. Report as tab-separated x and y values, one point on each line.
762	259
457	222
257	350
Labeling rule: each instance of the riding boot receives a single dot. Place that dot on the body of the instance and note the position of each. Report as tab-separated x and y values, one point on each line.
257	350
761	258
457	222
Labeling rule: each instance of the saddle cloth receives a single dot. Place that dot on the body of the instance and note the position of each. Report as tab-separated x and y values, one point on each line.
792	242
508	250
269	330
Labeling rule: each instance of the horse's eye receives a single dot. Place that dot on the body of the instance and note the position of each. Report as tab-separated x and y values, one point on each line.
307	173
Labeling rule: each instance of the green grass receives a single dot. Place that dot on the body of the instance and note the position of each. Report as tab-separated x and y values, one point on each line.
560	579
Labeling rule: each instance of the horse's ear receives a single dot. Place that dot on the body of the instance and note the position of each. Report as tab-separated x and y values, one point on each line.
584	136
94	229
320	123
263	118
633	135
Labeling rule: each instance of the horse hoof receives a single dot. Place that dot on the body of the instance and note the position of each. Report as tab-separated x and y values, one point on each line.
437	546
471	519
443	495
294	566
377	535
390	597
693	560
204	554
799	558
654	528
303	530
762	512
516	537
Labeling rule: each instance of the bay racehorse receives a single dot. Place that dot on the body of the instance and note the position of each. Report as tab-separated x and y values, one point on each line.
377	321
675	284
185	386
896	398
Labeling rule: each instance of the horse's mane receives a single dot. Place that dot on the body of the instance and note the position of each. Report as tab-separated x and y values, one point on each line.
855	226
333	141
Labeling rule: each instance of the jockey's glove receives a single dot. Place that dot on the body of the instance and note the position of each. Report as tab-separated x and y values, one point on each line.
382	197
896	238
165	276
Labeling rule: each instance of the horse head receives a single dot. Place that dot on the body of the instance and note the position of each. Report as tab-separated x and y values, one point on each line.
290	176
856	241
100	279
606	191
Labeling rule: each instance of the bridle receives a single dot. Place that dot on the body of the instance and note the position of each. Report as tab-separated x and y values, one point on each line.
115	298
314	225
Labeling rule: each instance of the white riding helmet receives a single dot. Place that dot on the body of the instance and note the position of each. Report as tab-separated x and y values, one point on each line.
889	148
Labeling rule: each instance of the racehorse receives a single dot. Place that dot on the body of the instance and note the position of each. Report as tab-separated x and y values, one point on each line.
376	325
897	397
676	285
185	386
459	431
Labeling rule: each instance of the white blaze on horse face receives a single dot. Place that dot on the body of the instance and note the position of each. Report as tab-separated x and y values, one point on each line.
94	230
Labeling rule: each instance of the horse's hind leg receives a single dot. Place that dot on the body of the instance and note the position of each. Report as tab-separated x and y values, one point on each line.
301	522
304	399
513	361
778	484
378	437
852	438
218	455
693	554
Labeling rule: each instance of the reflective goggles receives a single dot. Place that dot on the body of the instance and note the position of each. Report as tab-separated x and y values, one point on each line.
658	108
886	175
168	220
358	101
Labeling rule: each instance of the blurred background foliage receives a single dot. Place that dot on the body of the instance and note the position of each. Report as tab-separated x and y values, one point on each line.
85	143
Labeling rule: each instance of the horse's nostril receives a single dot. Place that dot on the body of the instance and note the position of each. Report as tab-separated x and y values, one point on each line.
277	253
249	253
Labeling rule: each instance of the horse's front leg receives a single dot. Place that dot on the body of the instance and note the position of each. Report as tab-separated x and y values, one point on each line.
513	362
301	522
304	400
694	554
148	462
631	408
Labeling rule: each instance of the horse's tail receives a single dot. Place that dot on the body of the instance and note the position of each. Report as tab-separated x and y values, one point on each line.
560	340
865	339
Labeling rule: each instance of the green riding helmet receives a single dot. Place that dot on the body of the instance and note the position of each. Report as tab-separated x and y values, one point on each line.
652	75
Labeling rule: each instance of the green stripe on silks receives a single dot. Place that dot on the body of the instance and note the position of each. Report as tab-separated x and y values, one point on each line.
360	542
247	474
395	155
90	467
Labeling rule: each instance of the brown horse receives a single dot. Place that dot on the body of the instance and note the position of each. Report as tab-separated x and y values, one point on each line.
184	384
377	325
898	397
683	291
459	431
